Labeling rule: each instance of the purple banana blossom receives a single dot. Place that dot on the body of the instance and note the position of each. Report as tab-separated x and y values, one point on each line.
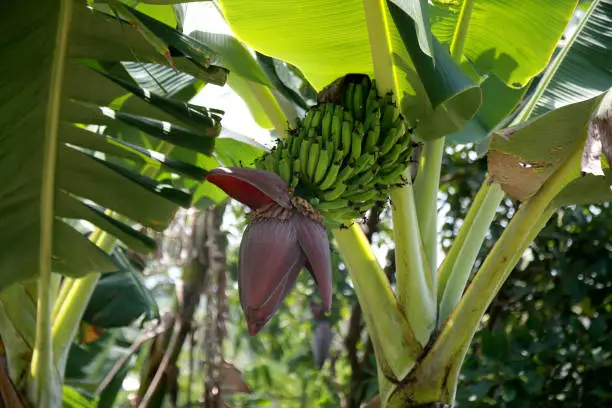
285	234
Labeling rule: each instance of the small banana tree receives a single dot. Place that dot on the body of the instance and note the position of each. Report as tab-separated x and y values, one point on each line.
415	75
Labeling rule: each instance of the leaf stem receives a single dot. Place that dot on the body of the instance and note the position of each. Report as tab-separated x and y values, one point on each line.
69	316
394	344
61	297
44	387
414	294
459	329
71	310
457	265
426	188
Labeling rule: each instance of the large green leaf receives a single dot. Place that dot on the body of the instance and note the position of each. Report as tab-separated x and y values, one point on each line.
29	34
513	40
584	68
326	40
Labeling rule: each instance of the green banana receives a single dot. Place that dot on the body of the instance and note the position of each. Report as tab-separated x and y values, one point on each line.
339	156
336	129
389	116
295	146
356	145
297	167
345	173
394	153
391	137
371	139
295	180
285	153
358	102
317	119
361	196
348	115
277	151
322	165
313	158
371	98
391	175
330	177
308	119
405	139
289	142
304	150
347	135
347	215
269	163
370	113
334	193
348	101
284	170
312	133
406	157
333	205
363	162
362	208
363	178
326	124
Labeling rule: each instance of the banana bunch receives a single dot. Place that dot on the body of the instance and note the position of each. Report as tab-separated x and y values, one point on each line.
347	153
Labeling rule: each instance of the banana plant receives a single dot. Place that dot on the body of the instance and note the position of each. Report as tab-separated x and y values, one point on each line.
87	141
395	77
